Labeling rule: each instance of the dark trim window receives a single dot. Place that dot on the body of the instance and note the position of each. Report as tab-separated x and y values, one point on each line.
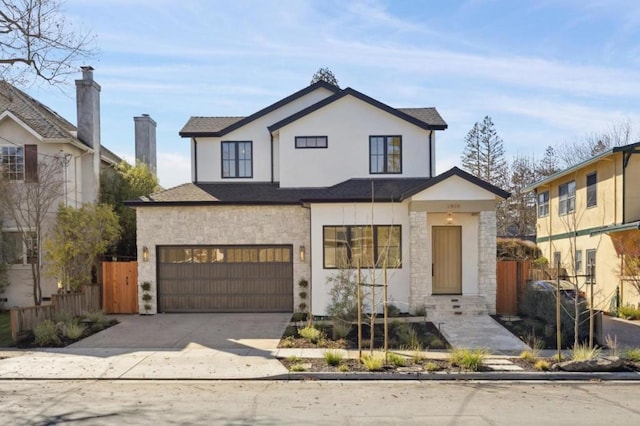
567	197
591	265
385	154
578	259
311	141
543	204
364	245
237	159
12	162
225	254
592	189
16	251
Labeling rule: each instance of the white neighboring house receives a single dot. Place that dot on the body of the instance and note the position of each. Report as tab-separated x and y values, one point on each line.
285	195
30	132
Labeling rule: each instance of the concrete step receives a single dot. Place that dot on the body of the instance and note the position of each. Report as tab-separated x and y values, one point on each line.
456	306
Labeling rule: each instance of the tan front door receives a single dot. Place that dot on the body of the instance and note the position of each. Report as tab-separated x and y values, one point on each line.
447	259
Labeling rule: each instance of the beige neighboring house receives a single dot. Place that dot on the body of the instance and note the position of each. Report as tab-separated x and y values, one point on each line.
322	180
584	213
31	132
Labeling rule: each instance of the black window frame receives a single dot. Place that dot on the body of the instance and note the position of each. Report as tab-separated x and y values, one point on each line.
299	139
590	254
236	160
544	204
592	189
349	231
567	202
384	155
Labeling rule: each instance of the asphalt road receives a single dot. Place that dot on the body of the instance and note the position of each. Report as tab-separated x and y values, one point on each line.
317	403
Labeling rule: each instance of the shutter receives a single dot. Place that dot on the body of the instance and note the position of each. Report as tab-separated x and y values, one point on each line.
31	163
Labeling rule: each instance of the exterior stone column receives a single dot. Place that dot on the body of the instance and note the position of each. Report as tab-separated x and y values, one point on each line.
487	259
419	271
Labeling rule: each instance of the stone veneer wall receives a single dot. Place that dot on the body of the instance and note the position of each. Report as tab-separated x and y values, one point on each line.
187	225
487	285
420	259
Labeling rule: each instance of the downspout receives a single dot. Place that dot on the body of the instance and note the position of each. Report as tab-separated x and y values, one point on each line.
271	136
195	160
431	153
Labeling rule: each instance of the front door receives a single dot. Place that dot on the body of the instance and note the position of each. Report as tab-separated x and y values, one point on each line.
447	259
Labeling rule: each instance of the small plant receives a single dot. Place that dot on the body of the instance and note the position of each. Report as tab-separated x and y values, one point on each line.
396	360
146	297
302	294
612	344
62	316
298	367
528	355
96	317
582	352
73	330
392	311
417	356
632	354
147	307
557	357
431	366
340	329
294	358
46	333
542	365
372	362
421	311
310	333
541	262
436	343
302	306
145	286
303	283
288	342
470	359
333	357
343	368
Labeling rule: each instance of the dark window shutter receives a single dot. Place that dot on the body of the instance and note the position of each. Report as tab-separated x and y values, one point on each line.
31	163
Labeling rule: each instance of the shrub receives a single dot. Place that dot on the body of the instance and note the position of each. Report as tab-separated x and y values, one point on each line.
332	357
431	366
73	330
298	367
632	354
542	365
287	342
310	333
62	316
145	286
436	343
541	262
516	249
341	328
582	352
629	312
343	368
407	336
397	360
294	358
46	333
343	296
471	359
528	355
392	311
96	317
146	297
372	362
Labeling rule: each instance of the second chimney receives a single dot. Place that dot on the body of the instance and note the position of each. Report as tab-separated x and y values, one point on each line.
88	110
145	129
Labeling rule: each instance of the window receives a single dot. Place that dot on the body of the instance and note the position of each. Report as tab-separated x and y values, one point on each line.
237	159
12	162
385	153
543	204
556	259
567	194
578	259
16	251
226	254
591	266
592	189
364	245
311	141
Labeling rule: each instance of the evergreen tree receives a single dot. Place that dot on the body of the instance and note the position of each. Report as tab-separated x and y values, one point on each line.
483	154
326	75
521	213
549	163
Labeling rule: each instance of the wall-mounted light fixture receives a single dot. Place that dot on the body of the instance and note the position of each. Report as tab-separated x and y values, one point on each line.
449	218
302	253
145	254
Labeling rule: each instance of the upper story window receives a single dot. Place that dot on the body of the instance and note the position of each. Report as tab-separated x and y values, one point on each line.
17	251
12	162
567	197
363	245
592	189
237	159
385	154
311	141
543	204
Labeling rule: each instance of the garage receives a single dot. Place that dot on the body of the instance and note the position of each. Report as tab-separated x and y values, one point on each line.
223	278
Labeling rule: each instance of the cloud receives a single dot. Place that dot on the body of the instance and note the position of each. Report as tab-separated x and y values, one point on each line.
173	168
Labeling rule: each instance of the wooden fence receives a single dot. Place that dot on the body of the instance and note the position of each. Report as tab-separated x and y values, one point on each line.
511	277
120	287
76	304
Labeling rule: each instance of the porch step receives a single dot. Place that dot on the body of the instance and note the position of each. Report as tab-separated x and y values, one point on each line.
443	306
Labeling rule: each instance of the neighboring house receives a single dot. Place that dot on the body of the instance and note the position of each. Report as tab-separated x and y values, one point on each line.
30	133
320	180
582	211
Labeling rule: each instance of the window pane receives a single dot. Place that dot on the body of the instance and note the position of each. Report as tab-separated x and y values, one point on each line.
362	246
388	245
12	162
335	247
13	252
592	190
393	155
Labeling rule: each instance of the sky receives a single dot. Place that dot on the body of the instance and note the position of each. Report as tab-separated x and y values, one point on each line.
545	71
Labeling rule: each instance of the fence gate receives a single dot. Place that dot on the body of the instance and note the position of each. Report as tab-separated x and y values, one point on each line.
511	277
120	287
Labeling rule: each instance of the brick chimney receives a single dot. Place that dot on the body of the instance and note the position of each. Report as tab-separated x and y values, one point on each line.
145	131
88	108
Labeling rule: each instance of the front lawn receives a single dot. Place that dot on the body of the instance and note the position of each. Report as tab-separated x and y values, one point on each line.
5	330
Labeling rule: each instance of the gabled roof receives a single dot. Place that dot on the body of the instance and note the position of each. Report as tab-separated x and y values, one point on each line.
220	126
34	114
426	118
625	148
266	193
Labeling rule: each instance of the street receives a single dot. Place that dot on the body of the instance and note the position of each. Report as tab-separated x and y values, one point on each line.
316	402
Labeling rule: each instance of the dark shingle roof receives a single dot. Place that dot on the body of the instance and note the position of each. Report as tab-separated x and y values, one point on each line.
264	193
428	115
209	124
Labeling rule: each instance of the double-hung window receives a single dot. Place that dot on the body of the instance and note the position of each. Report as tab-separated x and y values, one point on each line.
592	189
543	204
385	154
591	266
15	250
578	261
567	197
237	159
12	162
362	245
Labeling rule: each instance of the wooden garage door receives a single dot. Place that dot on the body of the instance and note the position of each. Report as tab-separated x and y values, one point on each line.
225	279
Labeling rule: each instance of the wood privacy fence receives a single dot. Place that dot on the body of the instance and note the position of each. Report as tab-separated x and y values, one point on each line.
120	287
76	304
511	278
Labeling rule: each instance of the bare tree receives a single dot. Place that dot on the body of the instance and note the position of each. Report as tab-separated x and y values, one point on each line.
578	150
520	216
37	42
28	205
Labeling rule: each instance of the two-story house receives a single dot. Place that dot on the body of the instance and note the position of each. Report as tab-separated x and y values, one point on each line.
584	212
324	180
